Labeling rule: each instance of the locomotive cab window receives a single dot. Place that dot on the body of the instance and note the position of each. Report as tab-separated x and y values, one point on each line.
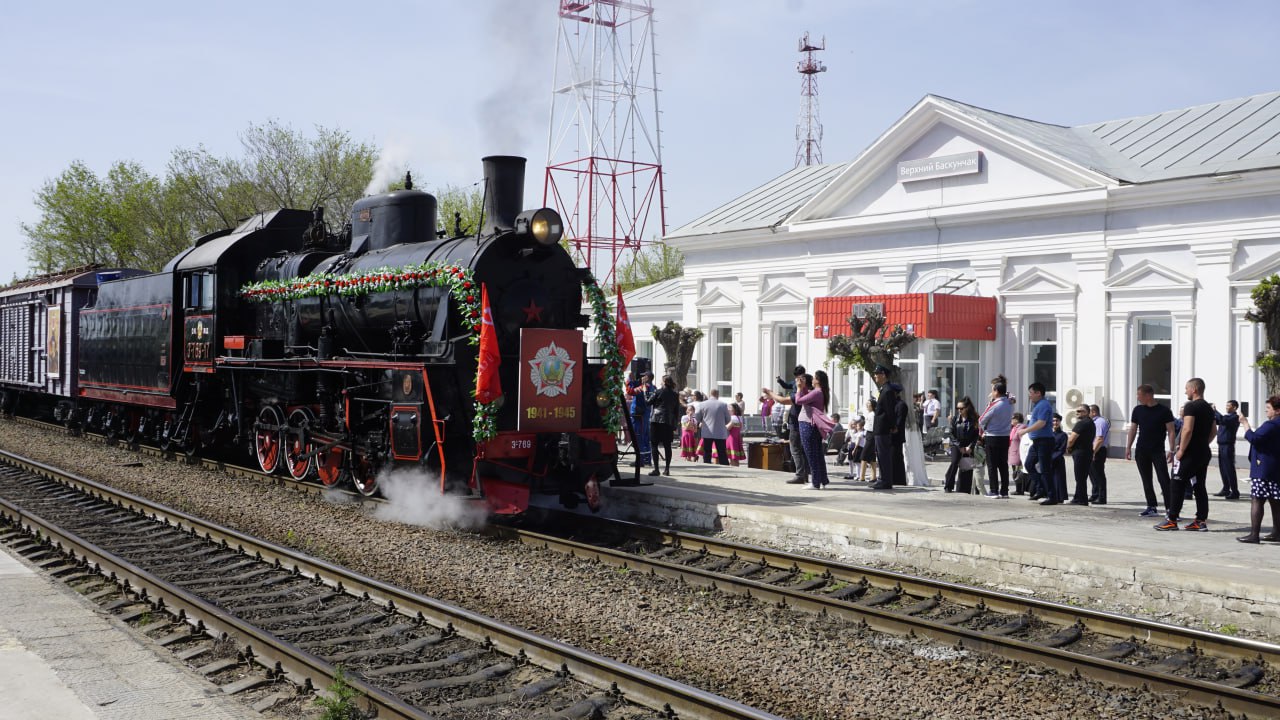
198	291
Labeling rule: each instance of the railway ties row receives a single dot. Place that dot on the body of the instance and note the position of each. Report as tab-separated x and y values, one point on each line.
418	665
1024	626
1240	675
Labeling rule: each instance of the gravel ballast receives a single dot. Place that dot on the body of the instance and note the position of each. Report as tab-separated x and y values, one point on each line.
789	663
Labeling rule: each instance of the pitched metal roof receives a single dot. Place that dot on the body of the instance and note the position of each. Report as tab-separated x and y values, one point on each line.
1221	137
767	205
665	292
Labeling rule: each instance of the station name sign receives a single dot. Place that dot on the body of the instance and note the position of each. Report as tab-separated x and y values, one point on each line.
944	166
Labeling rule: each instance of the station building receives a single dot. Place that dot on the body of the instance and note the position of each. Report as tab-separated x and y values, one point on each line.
1092	258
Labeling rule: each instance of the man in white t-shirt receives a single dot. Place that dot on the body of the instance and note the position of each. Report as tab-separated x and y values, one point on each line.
932	411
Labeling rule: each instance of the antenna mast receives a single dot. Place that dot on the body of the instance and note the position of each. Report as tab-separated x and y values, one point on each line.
809	129
604	152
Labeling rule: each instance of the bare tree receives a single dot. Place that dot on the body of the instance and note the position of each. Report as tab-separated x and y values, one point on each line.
678	342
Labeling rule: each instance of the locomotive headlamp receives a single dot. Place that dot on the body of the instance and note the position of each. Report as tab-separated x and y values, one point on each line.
543	224
602	399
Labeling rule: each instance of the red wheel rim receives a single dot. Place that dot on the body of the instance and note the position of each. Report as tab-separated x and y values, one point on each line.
297	446
329	466
267	440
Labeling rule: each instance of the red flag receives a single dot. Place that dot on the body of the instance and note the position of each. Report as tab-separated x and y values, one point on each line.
488	384
626	340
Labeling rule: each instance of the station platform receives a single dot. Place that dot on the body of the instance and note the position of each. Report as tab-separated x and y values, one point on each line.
1106	554
62	657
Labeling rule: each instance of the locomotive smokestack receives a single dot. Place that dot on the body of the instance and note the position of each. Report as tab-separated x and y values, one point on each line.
503	191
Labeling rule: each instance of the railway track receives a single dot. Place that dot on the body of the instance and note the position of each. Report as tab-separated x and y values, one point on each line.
256	615
1206	668
1238	675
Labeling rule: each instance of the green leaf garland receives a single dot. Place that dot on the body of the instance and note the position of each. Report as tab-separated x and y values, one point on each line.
465	292
606	333
460	281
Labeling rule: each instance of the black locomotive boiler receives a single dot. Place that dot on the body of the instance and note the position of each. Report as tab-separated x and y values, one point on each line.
340	356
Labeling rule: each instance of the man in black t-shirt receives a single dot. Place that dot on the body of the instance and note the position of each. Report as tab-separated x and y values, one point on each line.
1152	424
1191	461
1080	445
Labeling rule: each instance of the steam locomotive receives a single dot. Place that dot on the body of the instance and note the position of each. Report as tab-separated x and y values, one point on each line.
340	356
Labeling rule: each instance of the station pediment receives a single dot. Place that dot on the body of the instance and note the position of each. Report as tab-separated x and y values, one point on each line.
1147	275
781	294
717	298
941	153
1036	281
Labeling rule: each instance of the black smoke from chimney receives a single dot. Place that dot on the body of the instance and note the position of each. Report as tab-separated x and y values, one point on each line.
503	191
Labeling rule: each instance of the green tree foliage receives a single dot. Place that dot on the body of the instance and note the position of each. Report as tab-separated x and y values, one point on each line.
132	218
466	203
1266	310
122	219
281	167
655	263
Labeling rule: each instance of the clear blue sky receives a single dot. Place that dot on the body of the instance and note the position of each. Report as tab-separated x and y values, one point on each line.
101	82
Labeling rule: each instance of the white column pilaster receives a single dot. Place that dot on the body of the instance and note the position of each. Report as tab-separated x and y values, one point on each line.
1068	341
1120	384
749	346
1214	359
1184	352
1091	349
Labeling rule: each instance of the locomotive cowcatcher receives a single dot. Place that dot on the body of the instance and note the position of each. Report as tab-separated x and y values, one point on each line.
345	356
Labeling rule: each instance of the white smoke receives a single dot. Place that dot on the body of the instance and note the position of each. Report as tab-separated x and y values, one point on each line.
393	160
334	496
414	498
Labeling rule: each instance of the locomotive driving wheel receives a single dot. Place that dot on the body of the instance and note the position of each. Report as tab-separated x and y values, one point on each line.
297	444
329	465
266	438
363	475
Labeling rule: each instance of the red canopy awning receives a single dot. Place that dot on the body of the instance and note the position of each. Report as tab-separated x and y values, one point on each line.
936	316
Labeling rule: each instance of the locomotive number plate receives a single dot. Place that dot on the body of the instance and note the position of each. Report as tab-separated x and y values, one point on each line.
522	444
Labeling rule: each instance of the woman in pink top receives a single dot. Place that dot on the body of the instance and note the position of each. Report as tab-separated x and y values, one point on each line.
1015	452
809	396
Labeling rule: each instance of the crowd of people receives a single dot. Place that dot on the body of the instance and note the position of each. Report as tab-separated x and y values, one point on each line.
707	427
1172	453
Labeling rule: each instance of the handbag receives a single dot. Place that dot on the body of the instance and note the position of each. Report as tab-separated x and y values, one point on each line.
966	462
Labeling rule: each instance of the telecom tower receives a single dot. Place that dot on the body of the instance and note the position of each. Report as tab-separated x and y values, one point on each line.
809	129
604	156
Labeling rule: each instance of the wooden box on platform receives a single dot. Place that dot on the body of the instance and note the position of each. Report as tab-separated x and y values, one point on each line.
766	456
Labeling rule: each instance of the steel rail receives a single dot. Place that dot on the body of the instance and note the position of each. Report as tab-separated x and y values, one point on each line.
302	486
1109	624
635	684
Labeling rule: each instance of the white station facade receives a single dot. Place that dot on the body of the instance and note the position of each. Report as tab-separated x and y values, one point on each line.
1093	258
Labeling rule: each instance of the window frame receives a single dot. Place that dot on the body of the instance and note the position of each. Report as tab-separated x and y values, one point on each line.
1138	344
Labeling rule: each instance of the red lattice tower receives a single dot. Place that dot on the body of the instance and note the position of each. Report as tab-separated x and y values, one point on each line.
604	156
809	129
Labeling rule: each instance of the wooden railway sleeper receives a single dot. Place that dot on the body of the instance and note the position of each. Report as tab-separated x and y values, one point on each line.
1065	636
345	625
454	659
884	598
923	606
1016	624
479	676
850	592
339	609
524	692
